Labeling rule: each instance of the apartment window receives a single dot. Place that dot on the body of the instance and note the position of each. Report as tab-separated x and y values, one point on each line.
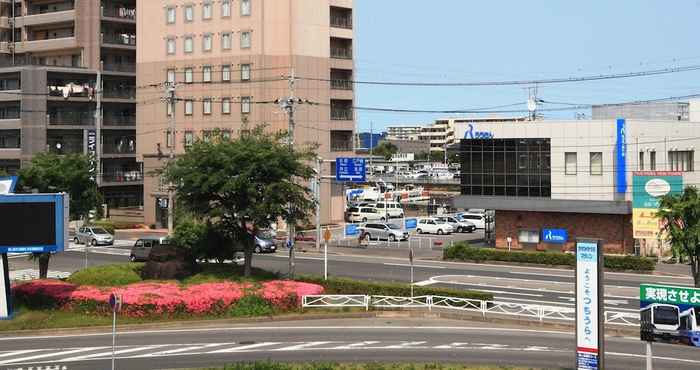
189	75
169	139
206	106
652	161
206	74
189	107
206	10
170	76
189	44
189	13
641	161
189	138
245	7
529	236
226	41
225	73
170	15
245	39
168	109
245	72
570	163
207	42
225	106
596	163
245	104
681	161
226	8
226	135
170	46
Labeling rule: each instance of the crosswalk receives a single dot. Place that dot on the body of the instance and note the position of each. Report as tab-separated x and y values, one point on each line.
35	357
32	274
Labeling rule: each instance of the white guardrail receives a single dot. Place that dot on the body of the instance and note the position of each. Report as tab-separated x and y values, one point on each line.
486	308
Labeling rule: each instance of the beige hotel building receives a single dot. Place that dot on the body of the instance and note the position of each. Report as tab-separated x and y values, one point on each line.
229	59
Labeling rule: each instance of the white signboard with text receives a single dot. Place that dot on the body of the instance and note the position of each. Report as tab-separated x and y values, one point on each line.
588	336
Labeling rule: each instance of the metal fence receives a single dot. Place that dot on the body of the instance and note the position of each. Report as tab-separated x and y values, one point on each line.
485	308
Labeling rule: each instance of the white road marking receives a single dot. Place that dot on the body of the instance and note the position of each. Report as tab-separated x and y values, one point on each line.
117	352
419	266
548	275
357	345
301	346
189	348
52	354
404	345
425	282
20	352
655	357
512	293
245	347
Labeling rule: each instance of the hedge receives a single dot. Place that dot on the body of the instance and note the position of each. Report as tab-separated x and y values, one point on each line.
108	275
111	226
463	252
349	286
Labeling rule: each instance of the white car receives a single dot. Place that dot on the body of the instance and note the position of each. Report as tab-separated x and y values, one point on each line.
391	209
478	219
364	214
433	226
457	225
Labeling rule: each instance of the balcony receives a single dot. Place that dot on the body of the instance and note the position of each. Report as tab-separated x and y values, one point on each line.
341	141
119	13
341	110
120	67
121	40
33	46
341	18
119	92
34	9
9	112
119	145
341	79
341	48
118	120
134	177
53	17
63	145
72	118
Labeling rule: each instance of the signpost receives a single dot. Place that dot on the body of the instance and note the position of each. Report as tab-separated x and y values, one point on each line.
350	170
115	301
589	305
327	235
410	259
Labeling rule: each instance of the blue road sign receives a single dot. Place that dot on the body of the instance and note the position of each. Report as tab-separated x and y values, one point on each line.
350	169
555	236
352	230
411	223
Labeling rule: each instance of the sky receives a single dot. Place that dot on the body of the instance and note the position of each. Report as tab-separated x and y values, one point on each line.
467	40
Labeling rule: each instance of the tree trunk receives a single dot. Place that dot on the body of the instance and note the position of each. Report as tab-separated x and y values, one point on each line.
248	247
44	265
695	270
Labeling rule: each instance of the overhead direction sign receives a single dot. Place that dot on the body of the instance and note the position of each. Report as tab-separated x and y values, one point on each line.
350	170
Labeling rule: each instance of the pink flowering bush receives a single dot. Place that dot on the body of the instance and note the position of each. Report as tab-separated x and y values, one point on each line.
160	298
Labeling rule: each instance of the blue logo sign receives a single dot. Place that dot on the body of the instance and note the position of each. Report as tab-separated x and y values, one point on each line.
555	236
350	169
352	230
621	158
472	134
411	223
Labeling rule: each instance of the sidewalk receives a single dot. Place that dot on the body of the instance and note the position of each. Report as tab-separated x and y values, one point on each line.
673	269
134	234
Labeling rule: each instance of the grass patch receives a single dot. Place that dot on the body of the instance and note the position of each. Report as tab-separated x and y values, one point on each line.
108	275
211	273
251	306
339	366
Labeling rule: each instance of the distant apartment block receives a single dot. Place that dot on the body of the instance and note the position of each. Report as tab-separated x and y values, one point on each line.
407	132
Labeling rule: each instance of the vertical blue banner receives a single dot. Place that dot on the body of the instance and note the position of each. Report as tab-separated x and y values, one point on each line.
621	157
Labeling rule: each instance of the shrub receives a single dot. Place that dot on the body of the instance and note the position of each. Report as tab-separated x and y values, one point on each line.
463	252
108	275
111	226
250	306
348	286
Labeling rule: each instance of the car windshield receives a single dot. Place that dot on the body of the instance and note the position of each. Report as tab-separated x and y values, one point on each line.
265	235
99	230
394	226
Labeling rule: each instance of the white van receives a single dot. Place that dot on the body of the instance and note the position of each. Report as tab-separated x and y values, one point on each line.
391	209
364	214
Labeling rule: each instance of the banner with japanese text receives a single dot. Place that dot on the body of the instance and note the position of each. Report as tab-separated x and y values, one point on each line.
587	312
647	189
669	314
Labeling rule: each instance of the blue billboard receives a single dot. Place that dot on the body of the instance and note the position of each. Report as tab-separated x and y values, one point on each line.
411	223
352	230
350	169
33	223
555	236
621	157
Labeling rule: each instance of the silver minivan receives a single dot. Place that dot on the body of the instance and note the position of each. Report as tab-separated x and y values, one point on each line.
94	236
379	231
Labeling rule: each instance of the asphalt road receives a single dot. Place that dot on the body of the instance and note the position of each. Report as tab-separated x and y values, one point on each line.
352	340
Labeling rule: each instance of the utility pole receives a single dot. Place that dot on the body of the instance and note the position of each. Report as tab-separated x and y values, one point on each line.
98	124
371	147
317	193
170	88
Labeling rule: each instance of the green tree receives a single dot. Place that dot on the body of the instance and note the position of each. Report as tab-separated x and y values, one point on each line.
51	173
243	185
385	149
680	217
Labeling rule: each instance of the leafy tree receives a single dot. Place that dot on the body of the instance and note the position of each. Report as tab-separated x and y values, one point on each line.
680	217
385	149
51	173
243	185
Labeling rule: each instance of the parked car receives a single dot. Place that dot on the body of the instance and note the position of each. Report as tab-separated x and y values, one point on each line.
142	248
93	236
364	214
478	219
433	226
382	231
391	209
457	225
265	243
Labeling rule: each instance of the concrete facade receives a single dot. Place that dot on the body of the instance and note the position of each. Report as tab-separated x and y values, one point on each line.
230	62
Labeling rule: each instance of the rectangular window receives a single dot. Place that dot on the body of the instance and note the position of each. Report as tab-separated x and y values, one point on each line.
570	163
245	104
189	107
245	72
206	106
206	136
226	135
641	161
225	73
225	8
529	236
170	46
225	106
189	44
226	41
189	75
681	161
245	7
169	139
189	138
652	161
170	76
168	109
596	163
206	74
206	10
189	13
207	41
170	15
245	40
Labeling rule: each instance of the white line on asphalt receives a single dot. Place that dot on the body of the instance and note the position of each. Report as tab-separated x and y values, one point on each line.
52	354
185	349
404	345
109	353
419	266
655	357
356	345
425	282
20	352
512	293
548	275
245	347
301	346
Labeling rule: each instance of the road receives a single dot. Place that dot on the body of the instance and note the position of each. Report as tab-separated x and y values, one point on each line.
356	340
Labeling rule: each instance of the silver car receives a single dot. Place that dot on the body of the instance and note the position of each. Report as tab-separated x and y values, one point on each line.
94	236
379	231
460	226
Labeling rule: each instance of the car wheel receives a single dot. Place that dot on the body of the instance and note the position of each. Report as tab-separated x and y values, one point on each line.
76	240
93	243
132	258
368	236
392	238
439	232
258	249
382	219
364	219
419	231
460	229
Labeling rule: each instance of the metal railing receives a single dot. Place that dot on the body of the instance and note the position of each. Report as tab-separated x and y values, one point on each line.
119	39
341	115
341	84
341	22
485	308
120	67
341	53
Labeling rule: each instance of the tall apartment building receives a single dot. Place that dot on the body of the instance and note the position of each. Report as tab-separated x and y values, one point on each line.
409	132
228	60
50	55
